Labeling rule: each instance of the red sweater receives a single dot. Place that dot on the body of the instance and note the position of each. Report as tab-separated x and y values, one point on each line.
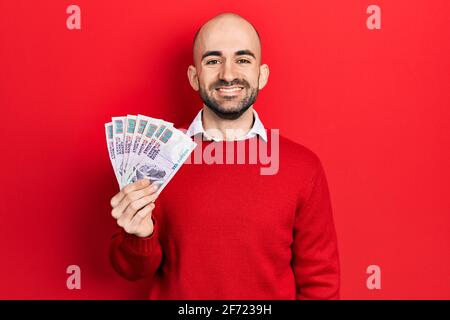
224	231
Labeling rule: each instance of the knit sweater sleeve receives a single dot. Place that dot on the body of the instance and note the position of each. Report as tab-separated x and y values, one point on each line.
315	253
135	257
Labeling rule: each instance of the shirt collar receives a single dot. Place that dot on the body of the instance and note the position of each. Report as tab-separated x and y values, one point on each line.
196	127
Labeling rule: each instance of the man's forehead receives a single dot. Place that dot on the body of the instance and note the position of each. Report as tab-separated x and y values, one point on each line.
228	41
227	33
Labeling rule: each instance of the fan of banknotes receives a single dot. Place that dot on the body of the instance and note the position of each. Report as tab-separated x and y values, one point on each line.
143	147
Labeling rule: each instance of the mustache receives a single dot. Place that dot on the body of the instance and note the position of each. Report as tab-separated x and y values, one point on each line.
223	83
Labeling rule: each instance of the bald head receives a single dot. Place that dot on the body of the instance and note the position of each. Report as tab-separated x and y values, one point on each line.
226	30
227	69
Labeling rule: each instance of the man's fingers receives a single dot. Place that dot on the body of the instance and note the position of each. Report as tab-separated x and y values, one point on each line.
130	198
139	204
128	189
134	207
133	225
133	196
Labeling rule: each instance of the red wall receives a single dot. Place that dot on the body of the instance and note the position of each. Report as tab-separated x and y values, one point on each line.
373	104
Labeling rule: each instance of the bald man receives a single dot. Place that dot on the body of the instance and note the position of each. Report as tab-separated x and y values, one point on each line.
223	230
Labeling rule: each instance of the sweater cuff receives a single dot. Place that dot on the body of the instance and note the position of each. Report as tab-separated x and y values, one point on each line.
142	245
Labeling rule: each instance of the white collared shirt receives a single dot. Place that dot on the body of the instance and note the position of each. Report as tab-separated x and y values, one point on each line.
196	127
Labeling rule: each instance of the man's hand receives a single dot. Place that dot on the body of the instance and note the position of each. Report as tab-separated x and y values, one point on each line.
132	207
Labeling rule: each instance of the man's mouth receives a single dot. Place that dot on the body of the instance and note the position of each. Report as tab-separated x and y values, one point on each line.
228	90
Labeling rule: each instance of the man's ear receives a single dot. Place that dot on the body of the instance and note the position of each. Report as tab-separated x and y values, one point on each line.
263	76
193	77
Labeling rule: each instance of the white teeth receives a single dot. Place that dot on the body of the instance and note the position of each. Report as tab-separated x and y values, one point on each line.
230	90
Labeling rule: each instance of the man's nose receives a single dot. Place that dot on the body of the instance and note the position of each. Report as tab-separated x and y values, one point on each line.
227	72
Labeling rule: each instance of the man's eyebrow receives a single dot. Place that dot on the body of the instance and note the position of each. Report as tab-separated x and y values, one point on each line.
211	53
244	53
237	53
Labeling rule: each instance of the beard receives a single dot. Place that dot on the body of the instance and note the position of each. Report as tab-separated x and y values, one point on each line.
240	106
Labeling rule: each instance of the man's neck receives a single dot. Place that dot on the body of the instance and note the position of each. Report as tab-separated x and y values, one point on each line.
224	129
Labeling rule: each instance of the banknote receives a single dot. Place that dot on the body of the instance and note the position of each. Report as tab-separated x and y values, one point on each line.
141	124
146	141
163	156
130	127
118	136
144	147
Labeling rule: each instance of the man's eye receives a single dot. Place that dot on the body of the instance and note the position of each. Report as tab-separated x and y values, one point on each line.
212	61
243	61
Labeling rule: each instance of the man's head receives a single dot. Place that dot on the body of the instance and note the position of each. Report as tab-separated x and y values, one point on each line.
227	68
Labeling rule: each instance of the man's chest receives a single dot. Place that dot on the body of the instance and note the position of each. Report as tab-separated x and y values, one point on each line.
226	202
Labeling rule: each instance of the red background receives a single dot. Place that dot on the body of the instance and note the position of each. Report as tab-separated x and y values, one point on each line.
373	104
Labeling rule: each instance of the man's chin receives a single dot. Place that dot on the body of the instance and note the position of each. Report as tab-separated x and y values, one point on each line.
228	113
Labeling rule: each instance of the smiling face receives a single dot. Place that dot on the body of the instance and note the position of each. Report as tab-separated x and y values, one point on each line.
228	71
